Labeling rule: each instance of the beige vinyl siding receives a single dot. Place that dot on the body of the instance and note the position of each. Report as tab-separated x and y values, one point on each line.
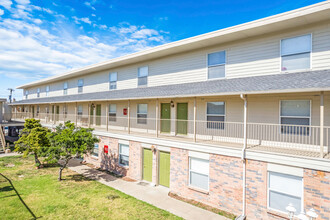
249	57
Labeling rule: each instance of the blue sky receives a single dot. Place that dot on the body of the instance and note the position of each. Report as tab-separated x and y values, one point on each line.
41	38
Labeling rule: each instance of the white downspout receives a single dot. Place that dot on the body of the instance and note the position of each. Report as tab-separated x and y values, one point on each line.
243	215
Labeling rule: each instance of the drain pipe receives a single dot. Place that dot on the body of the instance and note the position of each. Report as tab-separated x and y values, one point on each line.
243	215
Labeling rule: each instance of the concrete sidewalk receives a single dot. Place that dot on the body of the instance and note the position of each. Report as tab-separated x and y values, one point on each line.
9	154
157	196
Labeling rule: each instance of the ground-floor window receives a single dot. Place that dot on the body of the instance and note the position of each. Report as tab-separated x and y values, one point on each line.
284	189
199	173
124	154
95	152
295	116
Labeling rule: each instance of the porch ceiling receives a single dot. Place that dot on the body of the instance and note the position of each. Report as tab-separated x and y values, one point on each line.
310	81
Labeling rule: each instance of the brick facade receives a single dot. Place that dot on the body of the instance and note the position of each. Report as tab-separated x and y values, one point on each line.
225	180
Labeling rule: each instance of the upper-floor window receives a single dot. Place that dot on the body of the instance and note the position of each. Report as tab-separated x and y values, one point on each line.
112	112
65	88
284	189
38	92
296	53
216	65
26	94
143	73
215	115
113	80
47	90
80	85
295	116
80	110
142	113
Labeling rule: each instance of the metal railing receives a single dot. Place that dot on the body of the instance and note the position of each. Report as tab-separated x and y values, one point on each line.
277	136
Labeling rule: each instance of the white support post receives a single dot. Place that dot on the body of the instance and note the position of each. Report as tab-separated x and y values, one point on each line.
89	114
195	116
322	124
107	115
128	118
157	113
244	98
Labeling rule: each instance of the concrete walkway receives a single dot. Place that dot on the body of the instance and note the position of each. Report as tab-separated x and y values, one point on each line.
9	154
157	196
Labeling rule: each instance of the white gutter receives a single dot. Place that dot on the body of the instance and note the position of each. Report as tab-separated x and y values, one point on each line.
243	215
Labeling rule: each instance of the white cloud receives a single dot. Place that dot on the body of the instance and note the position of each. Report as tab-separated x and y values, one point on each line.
23	2
1	12
6	4
89	4
78	20
37	21
93	15
144	33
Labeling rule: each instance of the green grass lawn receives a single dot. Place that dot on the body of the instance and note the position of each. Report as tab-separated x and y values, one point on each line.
74	198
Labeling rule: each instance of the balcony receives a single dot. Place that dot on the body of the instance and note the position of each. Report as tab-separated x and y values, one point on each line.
293	140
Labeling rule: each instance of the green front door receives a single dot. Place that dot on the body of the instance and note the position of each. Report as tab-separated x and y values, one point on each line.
147	165
98	115
91	115
57	113
182	117
165	116
164	169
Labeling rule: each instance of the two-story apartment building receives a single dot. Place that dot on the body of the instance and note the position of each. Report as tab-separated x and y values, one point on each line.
237	119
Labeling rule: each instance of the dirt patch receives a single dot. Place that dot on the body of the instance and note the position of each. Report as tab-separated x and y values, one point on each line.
128	179
203	206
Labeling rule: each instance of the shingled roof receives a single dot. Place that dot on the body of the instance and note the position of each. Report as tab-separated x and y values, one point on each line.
278	83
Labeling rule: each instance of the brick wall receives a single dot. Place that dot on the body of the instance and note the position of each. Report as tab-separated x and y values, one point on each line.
135	160
317	192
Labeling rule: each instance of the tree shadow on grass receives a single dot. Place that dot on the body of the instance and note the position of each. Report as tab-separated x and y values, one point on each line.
77	178
11	187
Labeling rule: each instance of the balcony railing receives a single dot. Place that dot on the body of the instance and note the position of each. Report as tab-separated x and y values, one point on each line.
289	139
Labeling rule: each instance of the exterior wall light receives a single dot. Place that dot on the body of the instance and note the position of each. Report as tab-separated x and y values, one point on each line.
172	104
312	214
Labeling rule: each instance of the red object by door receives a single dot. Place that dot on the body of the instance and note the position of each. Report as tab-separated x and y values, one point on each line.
106	149
125	111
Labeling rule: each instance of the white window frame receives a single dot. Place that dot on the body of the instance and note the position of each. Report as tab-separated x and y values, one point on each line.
47	90
38	92
82	110
113	82
112	117
65	88
98	150
119	154
208	175
310	114
137	114
224	115
310	54
80	86
268	191
222	64
139	77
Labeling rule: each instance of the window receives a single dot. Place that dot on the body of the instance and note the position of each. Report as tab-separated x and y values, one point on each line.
95	151
123	154
216	65
142	112
113	80
65	110
284	189
199	173
112	112
47	90
80	110
295	53
215	115
47	110
38	92
80	85
26	94
143	76
295	116
65	88
38	110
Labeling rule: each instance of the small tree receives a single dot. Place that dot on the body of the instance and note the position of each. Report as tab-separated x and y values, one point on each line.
33	140
69	141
